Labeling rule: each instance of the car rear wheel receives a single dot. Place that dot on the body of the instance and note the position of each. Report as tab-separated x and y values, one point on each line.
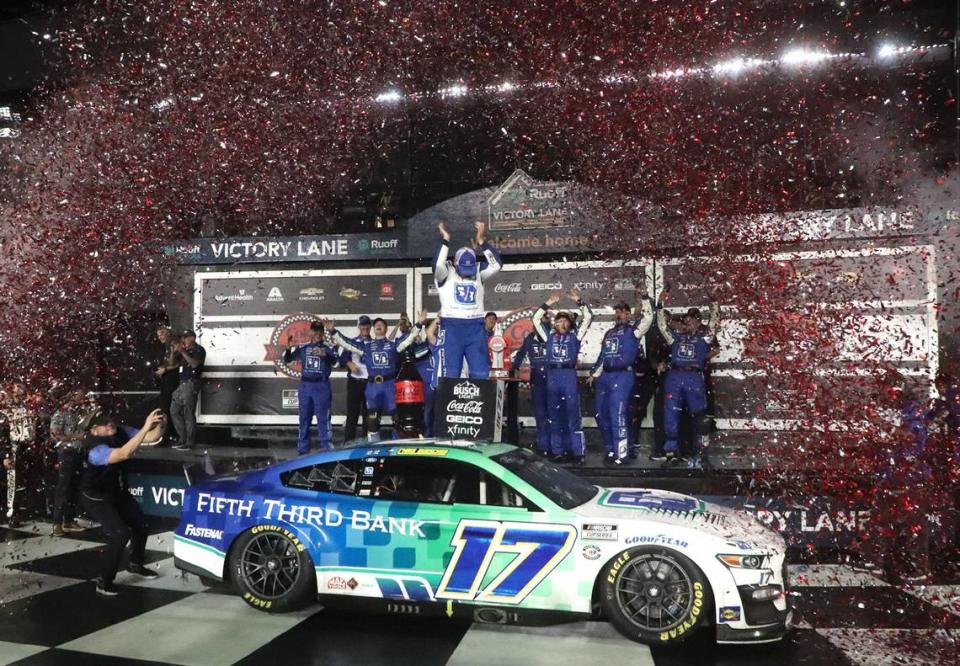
654	595
272	569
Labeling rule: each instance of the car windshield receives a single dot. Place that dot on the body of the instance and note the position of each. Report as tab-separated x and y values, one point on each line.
560	486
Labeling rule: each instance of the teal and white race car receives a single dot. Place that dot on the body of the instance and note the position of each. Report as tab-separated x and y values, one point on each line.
489	530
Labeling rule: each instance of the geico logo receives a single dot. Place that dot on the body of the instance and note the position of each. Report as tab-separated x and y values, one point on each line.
546	286
463	418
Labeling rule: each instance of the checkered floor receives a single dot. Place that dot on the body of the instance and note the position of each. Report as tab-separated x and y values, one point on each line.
50	614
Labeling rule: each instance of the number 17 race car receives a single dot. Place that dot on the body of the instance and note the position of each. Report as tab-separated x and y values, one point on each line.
490	532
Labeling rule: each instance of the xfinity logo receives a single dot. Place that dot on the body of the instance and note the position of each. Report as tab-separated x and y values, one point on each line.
507	288
466	391
546	286
583	286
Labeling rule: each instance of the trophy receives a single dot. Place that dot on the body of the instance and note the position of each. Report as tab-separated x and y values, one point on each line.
500	361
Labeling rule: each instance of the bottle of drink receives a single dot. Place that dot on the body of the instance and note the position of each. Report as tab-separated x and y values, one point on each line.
408	419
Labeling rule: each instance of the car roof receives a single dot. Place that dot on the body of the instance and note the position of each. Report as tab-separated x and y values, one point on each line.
486	449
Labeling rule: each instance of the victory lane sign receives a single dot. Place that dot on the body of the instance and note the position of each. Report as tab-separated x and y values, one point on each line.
468	409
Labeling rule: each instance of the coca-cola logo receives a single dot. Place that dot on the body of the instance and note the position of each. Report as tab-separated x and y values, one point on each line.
508	288
468	407
466	390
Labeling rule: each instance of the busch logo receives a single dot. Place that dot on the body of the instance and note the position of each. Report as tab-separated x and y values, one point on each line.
507	288
466	391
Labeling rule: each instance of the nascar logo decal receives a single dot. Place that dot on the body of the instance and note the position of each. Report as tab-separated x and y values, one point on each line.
538	549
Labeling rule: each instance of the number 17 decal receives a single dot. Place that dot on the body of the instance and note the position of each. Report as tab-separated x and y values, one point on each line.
537	548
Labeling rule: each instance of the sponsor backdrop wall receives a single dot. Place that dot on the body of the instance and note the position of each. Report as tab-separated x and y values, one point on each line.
245	312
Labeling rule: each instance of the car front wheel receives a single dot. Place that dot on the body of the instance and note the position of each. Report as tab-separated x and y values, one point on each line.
654	595
272	569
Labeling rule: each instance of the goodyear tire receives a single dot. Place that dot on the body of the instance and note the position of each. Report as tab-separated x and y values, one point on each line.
654	595
272	569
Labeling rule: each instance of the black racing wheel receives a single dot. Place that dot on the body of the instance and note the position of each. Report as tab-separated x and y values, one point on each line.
654	595
271	567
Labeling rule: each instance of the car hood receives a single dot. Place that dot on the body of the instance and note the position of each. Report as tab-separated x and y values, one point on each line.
670	508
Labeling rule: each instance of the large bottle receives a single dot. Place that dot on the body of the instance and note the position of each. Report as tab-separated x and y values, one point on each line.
408	419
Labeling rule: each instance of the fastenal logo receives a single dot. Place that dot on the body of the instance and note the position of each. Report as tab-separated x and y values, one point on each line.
466	390
292	330
275	295
507	288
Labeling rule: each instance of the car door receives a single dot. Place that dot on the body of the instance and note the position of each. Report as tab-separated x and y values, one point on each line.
475	539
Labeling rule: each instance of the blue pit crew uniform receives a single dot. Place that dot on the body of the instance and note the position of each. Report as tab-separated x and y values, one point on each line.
460	286
381	357
684	387
563	394
535	349
619	353
313	395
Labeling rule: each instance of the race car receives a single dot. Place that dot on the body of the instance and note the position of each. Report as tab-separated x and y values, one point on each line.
490	531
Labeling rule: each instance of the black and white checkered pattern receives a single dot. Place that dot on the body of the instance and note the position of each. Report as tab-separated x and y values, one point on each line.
50	614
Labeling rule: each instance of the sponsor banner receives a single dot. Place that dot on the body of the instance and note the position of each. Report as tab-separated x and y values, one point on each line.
249	250
254	293
468	409
158	495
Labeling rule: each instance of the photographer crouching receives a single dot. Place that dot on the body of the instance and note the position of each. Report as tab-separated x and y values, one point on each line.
106	496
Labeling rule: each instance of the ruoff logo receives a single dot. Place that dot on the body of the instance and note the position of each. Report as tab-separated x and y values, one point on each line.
275	295
291	331
507	288
466	391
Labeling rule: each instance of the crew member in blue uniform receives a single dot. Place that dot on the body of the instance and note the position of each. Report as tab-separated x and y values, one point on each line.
534	348
429	368
381	358
460	285
313	395
684	387
563	395
614	375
